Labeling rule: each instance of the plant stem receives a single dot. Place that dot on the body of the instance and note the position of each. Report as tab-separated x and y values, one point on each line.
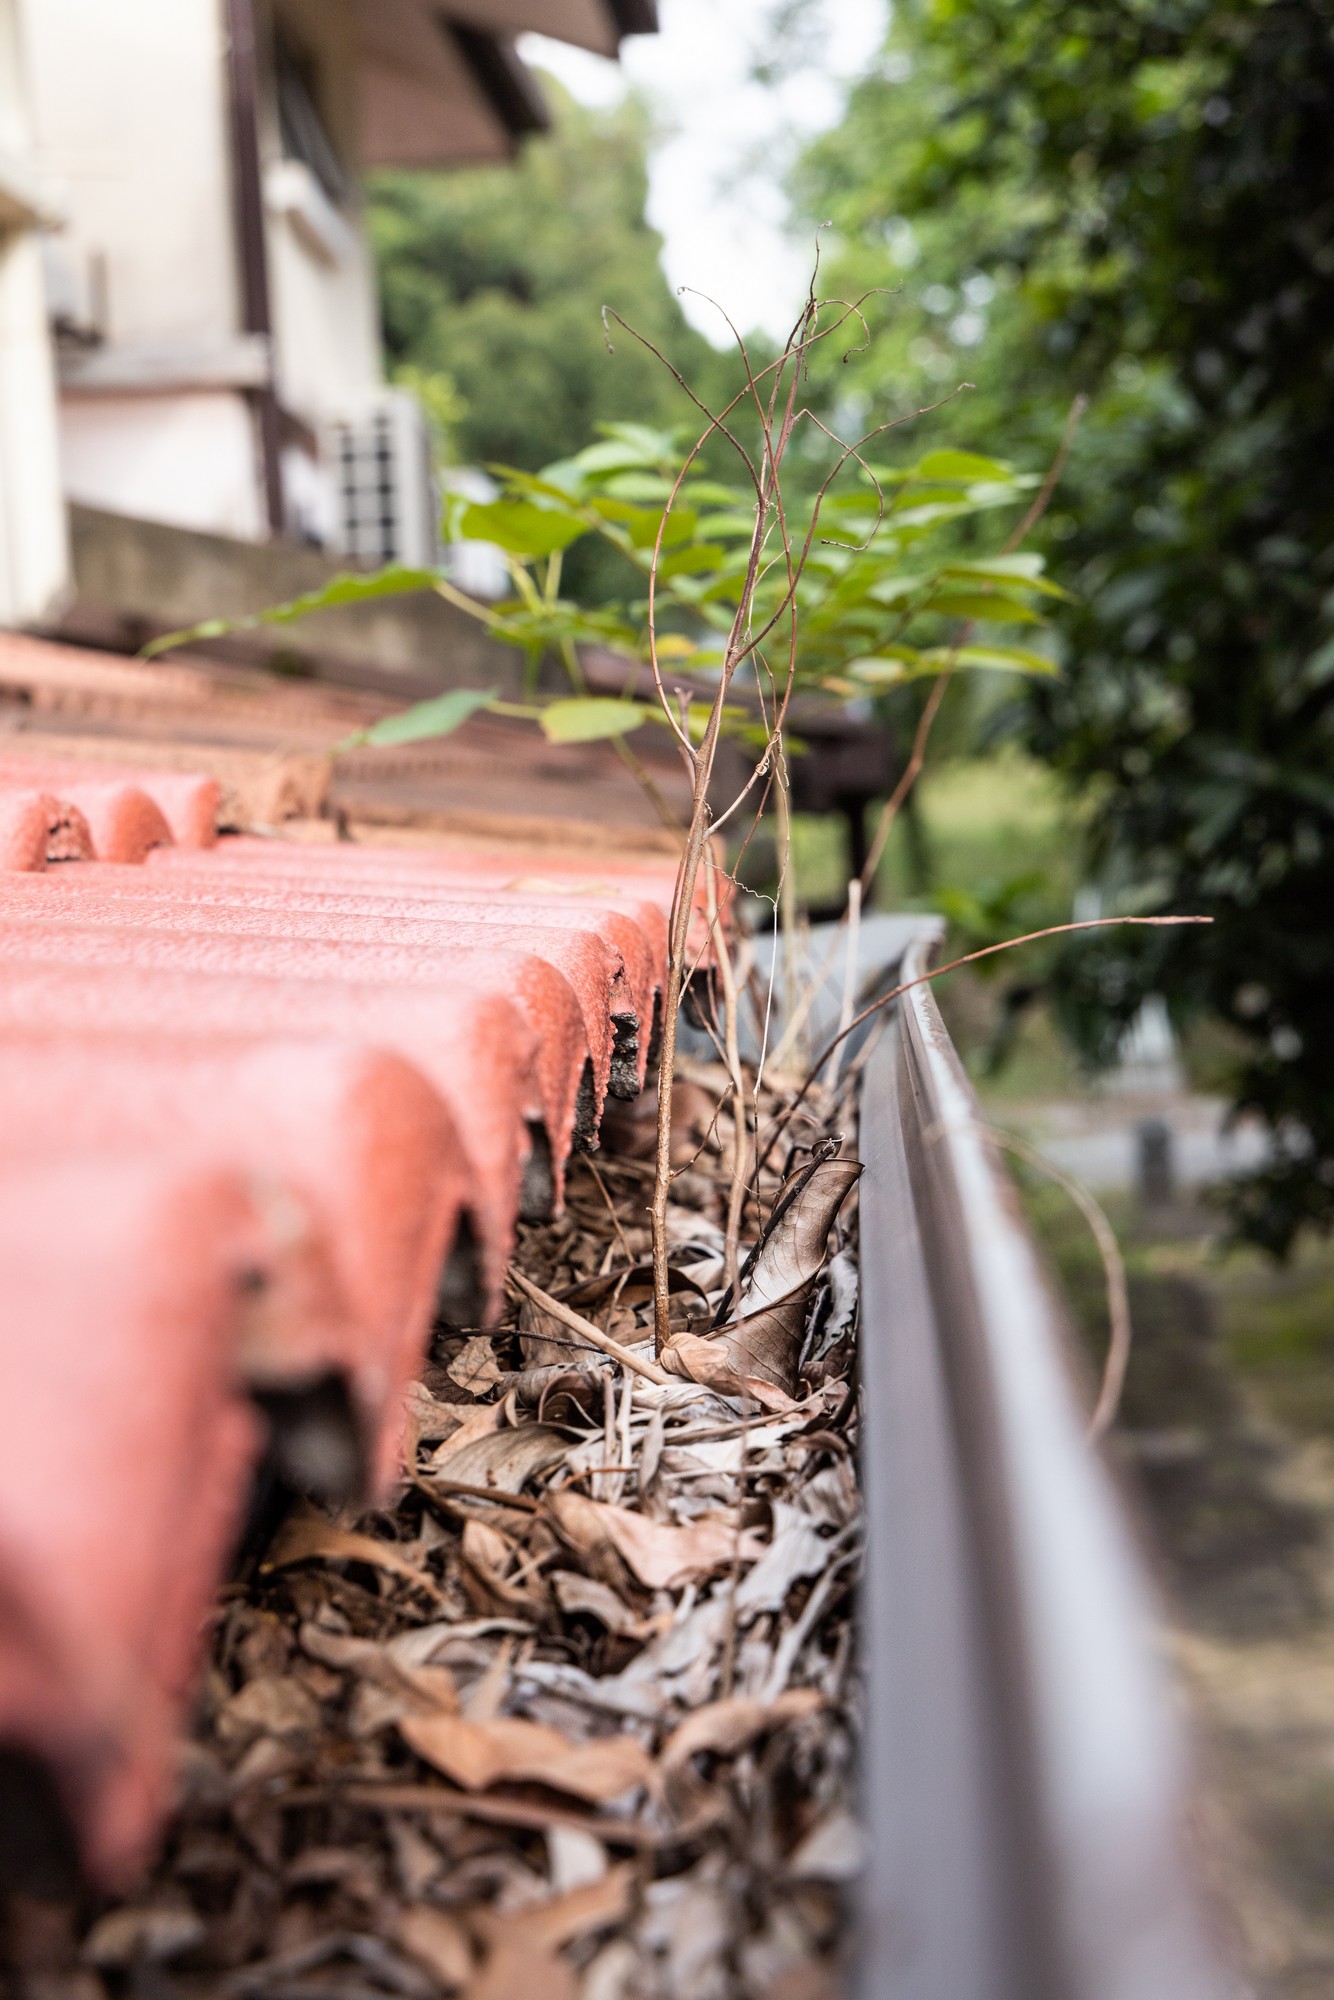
736	1194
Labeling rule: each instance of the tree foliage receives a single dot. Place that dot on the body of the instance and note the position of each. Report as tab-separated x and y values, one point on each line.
495	277
1140	194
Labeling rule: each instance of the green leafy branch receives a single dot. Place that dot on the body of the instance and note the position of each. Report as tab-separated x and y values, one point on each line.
873	609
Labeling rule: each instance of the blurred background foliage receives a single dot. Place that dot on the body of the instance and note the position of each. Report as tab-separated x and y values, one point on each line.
492	284
1135	202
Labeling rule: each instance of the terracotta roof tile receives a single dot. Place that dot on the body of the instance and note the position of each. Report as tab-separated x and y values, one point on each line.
187	801
605	956
353	1140
36	828
126	1284
476	1048
165	940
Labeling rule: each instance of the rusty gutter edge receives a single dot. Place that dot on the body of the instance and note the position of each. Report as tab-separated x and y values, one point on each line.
1025	1785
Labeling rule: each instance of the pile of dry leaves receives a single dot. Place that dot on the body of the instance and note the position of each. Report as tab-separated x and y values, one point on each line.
577	1717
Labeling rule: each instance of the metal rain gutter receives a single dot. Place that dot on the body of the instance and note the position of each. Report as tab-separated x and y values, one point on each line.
1024	1775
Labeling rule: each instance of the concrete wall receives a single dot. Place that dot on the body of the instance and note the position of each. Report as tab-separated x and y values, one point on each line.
135	579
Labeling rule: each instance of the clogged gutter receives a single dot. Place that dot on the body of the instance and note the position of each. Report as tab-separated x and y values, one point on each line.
577	1716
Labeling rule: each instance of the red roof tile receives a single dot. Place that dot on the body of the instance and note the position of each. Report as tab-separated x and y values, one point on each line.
305	1062
36	828
476	1048
220	944
126	1462
188	803
353	1145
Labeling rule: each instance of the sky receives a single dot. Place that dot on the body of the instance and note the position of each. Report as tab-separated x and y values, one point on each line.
715	176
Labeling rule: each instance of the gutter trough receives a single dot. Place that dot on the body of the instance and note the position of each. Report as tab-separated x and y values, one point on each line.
1025	1778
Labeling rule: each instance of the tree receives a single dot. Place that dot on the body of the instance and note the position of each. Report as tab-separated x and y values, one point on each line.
496	277
1141	193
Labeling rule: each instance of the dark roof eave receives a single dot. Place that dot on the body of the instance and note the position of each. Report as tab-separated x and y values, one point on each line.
507	84
634	17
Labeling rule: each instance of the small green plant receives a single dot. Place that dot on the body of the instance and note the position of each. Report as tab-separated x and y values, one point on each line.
845	576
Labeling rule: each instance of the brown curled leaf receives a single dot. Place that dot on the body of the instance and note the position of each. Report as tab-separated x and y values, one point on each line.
477	1755
663	1556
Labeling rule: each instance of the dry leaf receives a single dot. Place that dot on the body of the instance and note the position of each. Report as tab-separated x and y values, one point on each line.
518	1968
796	1548
591	1907
439	1942
473	1421
486	1547
487	1697
475	1367
574	1859
272	1705
765	1340
714	1364
725	1727
477	1755
576	1593
833	1851
661	1555
543	1340
124	1936
792	1253
431	1419
506	1460
307	1536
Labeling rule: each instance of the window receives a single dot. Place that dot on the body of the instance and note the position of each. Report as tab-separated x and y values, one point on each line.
304	136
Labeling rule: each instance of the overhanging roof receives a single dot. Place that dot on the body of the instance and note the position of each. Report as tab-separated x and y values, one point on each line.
441	84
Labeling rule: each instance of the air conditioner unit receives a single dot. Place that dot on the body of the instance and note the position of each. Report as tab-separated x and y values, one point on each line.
387	508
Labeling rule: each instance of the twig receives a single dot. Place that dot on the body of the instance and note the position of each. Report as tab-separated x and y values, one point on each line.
736	1194
938	972
1114	1271
853	951
1042	499
889	812
594	1335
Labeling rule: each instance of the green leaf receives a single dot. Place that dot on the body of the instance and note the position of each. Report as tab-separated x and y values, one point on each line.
346	588
995	604
887	669
591	719
440	716
520	527
1010	659
696	559
1017	570
965	465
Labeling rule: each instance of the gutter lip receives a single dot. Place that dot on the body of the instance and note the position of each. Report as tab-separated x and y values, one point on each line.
1024	1778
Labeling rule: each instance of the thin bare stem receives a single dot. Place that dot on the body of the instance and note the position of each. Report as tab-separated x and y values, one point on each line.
593	1335
1114	1272
938	972
889	812
1042	498
736	1194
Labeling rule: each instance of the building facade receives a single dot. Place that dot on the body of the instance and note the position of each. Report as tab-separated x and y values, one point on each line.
208	278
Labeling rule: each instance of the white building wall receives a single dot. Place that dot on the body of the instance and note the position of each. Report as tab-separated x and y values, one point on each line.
131	118
189	459
34	554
